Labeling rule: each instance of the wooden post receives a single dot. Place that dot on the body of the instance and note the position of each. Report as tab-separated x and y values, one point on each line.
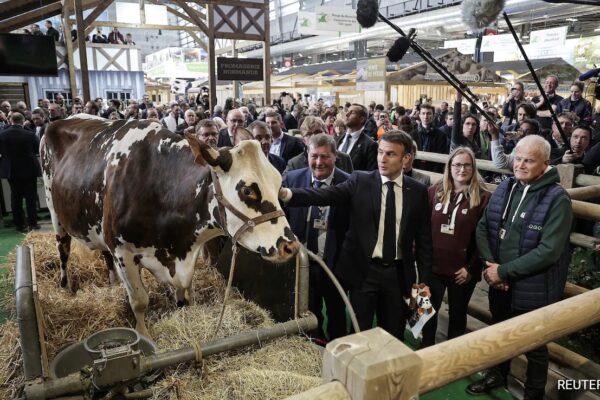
236	89
567	173
142	12
267	56
329	391
212	73
373	365
85	76
66	22
584	193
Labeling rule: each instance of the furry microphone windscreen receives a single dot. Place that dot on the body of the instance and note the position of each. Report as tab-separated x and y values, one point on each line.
399	49
366	12
477	14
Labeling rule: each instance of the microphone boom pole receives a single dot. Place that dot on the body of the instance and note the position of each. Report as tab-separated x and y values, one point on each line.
462	88
537	82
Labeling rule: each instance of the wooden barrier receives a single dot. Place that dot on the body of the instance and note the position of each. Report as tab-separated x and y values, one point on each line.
374	365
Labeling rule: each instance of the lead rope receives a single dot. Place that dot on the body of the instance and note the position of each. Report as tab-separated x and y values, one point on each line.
234	251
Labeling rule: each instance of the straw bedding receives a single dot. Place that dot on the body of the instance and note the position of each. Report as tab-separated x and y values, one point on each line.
272	371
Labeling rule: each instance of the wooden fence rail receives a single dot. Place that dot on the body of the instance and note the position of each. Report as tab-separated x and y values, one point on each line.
375	365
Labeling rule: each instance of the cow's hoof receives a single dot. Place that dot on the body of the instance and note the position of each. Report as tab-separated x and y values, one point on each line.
180	303
64	282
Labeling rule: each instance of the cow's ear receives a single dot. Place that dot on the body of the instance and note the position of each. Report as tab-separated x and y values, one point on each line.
204	154
196	146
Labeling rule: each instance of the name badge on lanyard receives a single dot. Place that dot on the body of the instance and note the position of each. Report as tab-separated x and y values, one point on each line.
320	224
447	229
502	233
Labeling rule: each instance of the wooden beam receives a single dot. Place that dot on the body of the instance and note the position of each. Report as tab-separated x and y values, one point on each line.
245	4
11	24
193	14
143	26
212	73
142	12
85	76
95	14
11	9
239	36
266	56
199	41
69	45
173	11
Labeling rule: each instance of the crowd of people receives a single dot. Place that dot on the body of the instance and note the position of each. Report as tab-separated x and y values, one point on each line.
352	196
114	37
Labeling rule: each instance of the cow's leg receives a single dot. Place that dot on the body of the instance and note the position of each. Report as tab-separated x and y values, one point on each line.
129	271
110	265
63	243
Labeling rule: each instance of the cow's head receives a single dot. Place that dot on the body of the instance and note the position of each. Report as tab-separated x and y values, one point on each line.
251	184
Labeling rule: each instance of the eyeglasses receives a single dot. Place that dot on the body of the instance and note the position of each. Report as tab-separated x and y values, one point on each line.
459	166
237	121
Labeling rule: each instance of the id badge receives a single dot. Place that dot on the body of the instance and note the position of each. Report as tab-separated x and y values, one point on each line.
502	233
447	230
320	224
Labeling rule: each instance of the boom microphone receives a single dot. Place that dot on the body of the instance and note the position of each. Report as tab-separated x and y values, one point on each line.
367	12
477	14
400	47
592	73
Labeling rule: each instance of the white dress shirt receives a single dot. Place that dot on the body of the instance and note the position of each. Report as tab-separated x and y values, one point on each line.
353	138
378	250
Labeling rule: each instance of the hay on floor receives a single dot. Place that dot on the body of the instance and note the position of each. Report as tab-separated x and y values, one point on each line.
273	370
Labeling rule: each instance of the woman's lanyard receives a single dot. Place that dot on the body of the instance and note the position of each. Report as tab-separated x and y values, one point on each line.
449	229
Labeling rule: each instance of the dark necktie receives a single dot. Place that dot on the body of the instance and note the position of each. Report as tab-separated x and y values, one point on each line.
344	148
389	225
312	243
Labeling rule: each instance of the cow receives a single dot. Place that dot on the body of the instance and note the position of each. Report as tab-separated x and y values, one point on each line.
145	197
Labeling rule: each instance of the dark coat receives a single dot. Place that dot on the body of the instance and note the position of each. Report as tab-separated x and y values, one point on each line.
290	147
19	151
362	194
290	121
363	153
338	219
277	162
342	161
224	139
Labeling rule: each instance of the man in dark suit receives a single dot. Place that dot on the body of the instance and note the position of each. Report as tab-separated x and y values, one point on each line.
284	145
50	31
38	117
322	231
261	132
390	230
19	151
361	148
235	119
291	118
313	126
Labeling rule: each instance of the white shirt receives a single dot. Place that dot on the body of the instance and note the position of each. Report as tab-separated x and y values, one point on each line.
353	138
276	145
378	250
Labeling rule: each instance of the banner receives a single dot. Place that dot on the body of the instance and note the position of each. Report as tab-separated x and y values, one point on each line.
336	19
370	74
239	69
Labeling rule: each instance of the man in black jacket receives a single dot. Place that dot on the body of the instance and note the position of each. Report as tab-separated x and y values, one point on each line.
390	230
284	145
361	148
50	31
19	151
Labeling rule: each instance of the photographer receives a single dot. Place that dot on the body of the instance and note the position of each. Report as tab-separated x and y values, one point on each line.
515	97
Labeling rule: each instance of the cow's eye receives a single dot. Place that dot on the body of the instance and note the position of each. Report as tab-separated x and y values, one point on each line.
246	191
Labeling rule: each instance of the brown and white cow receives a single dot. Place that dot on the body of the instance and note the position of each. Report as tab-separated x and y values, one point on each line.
144	197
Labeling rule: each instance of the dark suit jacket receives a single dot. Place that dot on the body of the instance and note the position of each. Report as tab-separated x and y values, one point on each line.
337	221
290	147
363	153
362	194
342	161
19	151
290	121
224	139
277	162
